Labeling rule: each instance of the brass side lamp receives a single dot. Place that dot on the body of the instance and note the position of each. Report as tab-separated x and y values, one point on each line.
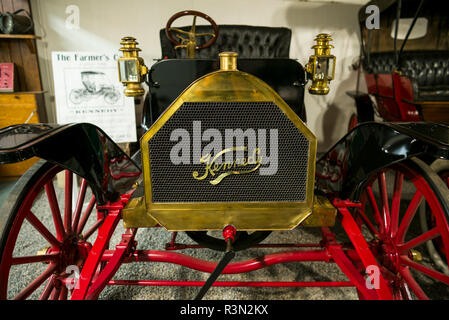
321	65
131	68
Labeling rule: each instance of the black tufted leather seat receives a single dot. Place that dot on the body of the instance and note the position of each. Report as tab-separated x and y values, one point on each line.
247	41
428	70
263	52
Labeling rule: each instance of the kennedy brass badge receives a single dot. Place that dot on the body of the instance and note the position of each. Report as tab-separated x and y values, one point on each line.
218	170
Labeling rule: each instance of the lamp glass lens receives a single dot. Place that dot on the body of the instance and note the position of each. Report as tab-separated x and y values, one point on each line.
128	70
324	68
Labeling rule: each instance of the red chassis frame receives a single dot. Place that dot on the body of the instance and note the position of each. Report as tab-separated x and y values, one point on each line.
102	264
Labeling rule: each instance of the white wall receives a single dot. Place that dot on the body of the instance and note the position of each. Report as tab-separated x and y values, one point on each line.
103	23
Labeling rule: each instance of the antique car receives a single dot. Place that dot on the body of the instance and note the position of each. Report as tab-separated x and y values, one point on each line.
95	85
405	62
227	159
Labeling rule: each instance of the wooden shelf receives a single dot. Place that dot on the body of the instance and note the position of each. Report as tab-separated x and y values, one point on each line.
19	36
21	49
22	92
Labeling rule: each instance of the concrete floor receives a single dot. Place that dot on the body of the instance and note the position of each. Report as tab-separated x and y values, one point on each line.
155	239
5	188
29	241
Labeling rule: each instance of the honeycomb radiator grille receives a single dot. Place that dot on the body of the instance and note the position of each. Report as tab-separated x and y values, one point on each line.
172	183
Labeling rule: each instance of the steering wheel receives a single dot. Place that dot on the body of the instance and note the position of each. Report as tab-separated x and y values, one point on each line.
182	43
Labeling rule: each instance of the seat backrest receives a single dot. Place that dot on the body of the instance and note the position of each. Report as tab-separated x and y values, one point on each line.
285	76
428	70
247	41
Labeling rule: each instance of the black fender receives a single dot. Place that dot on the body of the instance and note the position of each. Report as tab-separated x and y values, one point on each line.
371	146
82	148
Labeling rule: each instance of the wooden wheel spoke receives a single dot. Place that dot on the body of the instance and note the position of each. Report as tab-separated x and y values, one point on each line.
79	204
405	291
408	216
385	217
427	271
368	223
48	288
375	208
412	284
42	229
64	293
92	229
396	203
25	293
86	215
33	259
68	201
54	207
55	293
428	235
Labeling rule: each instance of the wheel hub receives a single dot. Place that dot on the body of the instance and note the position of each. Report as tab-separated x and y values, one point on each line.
390	255
73	251
387	253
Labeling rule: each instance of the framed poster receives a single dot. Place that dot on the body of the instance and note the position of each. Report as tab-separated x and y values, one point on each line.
87	90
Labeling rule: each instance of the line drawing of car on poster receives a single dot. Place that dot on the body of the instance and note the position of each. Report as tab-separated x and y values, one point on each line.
95	84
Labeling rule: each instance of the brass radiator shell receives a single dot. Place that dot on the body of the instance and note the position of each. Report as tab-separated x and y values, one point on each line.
223	86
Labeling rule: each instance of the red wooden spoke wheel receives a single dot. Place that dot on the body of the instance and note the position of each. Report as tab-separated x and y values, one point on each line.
390	201
435	247
44	241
